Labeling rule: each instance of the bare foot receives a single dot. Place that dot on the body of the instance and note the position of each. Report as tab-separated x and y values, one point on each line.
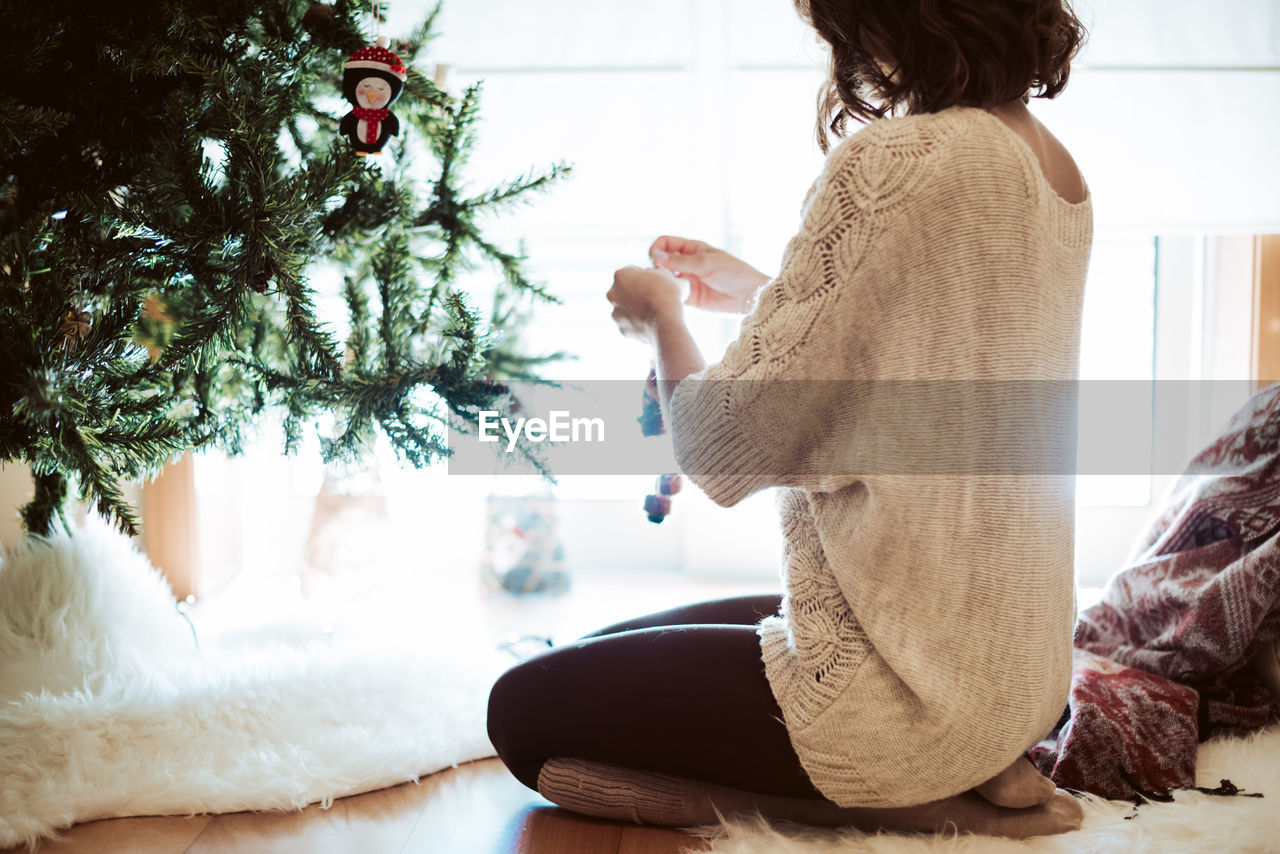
1018	786
1060	814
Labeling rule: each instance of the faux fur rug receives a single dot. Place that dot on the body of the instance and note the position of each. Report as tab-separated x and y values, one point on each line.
1193	823
109	708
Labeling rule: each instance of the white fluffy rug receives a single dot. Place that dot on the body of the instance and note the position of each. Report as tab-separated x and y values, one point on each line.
1193	824
109	708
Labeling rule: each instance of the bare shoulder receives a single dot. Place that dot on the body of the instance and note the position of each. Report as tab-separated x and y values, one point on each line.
1056	163
1060	168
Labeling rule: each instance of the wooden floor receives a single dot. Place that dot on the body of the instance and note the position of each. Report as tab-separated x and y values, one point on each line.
477	808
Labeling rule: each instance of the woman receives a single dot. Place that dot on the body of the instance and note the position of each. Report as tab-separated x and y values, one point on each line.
923	643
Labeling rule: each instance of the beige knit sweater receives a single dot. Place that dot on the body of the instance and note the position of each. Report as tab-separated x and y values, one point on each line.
925	638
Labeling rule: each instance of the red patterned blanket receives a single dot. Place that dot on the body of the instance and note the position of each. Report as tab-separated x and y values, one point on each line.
1162	662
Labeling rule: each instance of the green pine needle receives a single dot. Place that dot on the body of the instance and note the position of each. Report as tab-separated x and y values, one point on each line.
171	185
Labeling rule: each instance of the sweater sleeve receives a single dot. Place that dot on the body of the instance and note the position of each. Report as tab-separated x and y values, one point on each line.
772	411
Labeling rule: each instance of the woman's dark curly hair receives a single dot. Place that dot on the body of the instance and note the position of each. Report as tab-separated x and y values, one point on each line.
939	54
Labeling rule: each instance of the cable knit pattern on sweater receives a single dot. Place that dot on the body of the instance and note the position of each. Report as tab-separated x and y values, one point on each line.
925	637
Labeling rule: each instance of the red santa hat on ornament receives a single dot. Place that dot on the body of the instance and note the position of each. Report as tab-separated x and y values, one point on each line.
377	57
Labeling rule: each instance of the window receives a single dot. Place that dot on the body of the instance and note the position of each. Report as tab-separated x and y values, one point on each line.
1166	319
1117	344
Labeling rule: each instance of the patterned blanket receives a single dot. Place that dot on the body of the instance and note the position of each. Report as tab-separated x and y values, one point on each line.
1162	662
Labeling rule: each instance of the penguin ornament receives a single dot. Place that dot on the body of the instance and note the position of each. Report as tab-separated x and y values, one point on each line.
372	79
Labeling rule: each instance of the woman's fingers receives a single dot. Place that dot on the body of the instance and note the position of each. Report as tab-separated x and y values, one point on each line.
667	245
672	243
717	280
687	258
686	265
638	296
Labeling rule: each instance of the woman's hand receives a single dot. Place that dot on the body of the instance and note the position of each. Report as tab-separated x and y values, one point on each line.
641	298
717	280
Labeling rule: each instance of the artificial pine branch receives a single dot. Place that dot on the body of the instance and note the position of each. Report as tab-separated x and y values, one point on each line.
422	35
517	191
46	508
159	228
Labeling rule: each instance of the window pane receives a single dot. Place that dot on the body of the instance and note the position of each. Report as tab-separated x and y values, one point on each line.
1117	343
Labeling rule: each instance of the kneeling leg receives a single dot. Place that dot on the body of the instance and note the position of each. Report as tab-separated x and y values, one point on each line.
692	701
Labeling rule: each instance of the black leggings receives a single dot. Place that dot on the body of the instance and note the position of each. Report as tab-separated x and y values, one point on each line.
680	692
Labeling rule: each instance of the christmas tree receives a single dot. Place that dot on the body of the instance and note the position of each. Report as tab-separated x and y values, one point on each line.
171	173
